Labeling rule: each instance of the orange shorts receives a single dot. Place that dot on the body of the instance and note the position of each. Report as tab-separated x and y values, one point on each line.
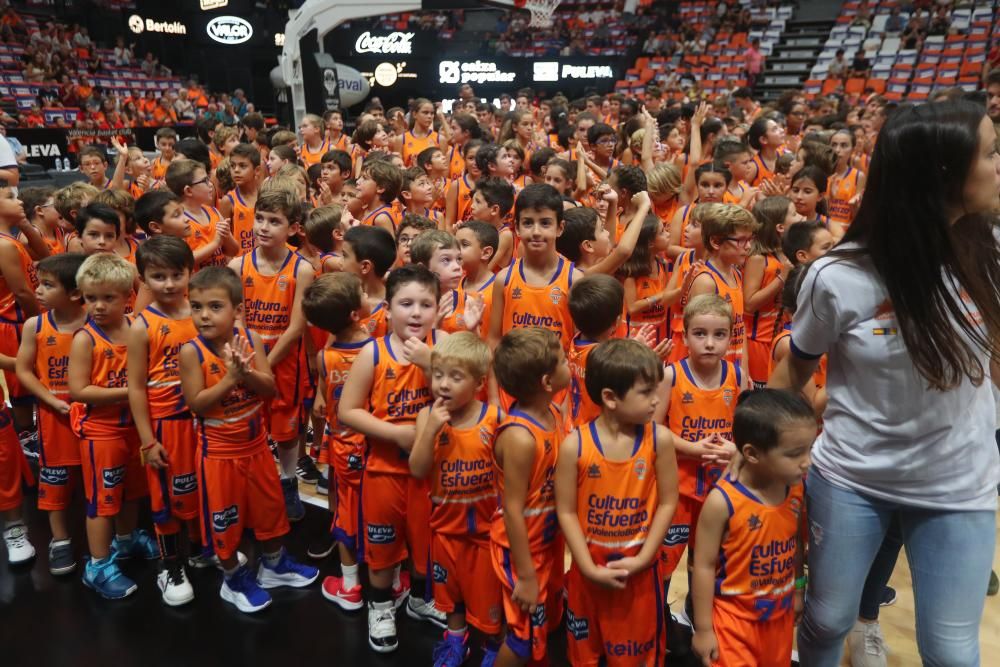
527	633
58	446
758	359
14	470
285	411
464	579
745	642
10	341
112	472
56	486
396	514
239	493
615	627
345	518
680	535
173	492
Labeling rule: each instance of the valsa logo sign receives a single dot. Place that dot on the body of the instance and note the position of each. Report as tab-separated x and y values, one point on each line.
138	25
229	30
396	42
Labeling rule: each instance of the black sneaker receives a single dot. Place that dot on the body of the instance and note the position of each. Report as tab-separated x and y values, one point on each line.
994	584
29	444
61	560
293	504
888	596
323	485
306	470
321	547
273	446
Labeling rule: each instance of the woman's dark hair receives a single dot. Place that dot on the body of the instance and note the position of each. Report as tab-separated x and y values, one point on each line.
929	265
640	263
814	174
193	149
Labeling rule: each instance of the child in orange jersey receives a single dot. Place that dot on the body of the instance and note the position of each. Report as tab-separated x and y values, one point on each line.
237	204
808	188
586	239
736	157
314	143
14	473
69	201
161	212
162	419
458	196
453	448
417	193
616	491
42	362
477	243
211	239
781	347
727	231
378	187
337	304
100	416
492	200
748	586
274	280
224	377
434	163
369	252
699	409
165	139
124	207
335	171
439	252
421	134
40	210
334	124
324	232
527	548
93	161
386	390
846	184
764	275
646	279
711	179
17	302
138	173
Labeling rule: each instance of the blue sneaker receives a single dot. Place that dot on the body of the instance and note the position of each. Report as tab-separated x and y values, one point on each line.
107	579
489	656
241	590
451	651
286	572
142	545
293	504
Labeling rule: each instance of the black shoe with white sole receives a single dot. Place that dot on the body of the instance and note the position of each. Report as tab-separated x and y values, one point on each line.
306	470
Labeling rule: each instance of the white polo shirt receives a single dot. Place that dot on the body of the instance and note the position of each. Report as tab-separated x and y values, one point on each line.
886	434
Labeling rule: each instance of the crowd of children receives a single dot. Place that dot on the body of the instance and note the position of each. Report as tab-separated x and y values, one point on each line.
508	336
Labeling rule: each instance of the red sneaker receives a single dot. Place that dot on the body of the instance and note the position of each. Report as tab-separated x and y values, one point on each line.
401	592
348	600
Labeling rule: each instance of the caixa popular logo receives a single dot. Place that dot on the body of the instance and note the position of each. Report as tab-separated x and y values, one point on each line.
113	476
229	30
380	533
226	518
184	484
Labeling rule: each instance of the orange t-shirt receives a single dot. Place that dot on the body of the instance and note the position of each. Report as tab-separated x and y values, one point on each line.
108	362
10	311
204	233
413	145
545	306
242	221
163	373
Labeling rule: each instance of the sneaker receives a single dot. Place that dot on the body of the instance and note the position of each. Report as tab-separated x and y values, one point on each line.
286	572
866	645
107	579
29	444
888	596
273	446
489	656
451	651
174	585
306	470
242	591
401	592
19	549
994	586
421	610
206	560
382	627
61	559
348	600
321	547
323	485
143	545
293	504
310	435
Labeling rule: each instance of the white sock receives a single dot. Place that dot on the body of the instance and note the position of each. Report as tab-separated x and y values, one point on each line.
288	458
350	576
458	633
395	577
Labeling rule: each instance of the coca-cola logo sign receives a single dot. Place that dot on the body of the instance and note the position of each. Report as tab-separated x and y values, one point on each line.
395	42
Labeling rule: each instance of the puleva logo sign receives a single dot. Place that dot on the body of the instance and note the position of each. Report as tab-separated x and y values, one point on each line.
229	30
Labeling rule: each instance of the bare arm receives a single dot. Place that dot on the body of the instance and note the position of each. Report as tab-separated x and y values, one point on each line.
138	367
17	281
24	366
504	253
711	530
517	449
429	425
451	206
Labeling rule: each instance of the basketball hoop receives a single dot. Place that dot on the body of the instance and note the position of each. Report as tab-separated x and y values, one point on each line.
541	11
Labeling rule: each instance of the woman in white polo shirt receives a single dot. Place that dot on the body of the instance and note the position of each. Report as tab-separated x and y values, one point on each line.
907	308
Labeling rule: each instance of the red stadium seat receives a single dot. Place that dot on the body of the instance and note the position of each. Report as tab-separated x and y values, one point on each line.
854	86
831	85
876	85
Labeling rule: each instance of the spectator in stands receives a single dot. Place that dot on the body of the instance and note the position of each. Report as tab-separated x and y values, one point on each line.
123	56
913	34
12	28
240	102
860	67
81	40
754	63
94	63
20	152
993	98
838	66
36	69
183	107
863	18
941	23
895	23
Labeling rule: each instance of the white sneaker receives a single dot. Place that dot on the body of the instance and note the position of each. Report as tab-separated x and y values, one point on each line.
420	610
382	627
19	549
866	645
174	585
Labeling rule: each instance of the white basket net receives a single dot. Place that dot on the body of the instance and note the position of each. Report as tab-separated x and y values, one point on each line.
541	12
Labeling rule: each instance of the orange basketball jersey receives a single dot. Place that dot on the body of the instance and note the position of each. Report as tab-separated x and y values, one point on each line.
463	211
456	163
347	447
762	322
379	214
733	295
242	221
839	194
756	571
696	413
764	173
375	324
540	505
203	234
399	391
464	500
52	356
233	426
108	362
545	306
309	157
159	170
666	211
819	375
582	409
615	500
163	378
656	314
10	311
413	145
267	300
